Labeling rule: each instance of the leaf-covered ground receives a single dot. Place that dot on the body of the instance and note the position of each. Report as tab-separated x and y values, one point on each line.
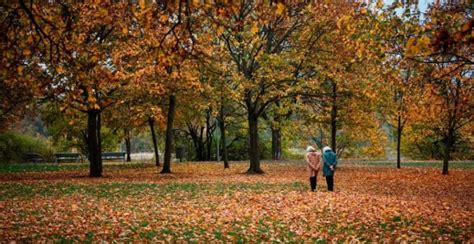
202	201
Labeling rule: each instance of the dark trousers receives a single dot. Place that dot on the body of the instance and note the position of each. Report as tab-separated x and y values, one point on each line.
312	181
330	182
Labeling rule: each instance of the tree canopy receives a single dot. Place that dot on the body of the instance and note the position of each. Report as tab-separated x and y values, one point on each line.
347	74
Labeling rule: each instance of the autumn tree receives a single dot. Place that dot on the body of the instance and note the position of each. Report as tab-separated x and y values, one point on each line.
19	76
198	121
161	46
342	86
444	44
278	116
75	46
403	77
258	40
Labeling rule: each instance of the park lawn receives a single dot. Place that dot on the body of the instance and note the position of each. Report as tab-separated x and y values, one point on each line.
427	164
202	201
43	167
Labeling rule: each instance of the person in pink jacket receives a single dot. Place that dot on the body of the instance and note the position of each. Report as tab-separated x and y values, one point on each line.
313	158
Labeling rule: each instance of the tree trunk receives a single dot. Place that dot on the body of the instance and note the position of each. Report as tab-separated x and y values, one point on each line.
198	144
334	117
254	152
447	151
200	152
99	136
445	161
452	121
276	143
169	135
151	122
224	143
399	140
208	142
128	145
93	143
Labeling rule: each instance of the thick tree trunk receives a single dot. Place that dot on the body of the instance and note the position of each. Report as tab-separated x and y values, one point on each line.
128	145
151	123
93	143
169	135
254	152
200	152
447	151
223	138
399	140
99	136
276	143
445	161
334	117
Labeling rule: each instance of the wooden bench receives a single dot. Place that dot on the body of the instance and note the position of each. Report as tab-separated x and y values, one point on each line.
68	156
113	156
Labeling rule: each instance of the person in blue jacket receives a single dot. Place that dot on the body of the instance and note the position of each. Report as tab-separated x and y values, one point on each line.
329	166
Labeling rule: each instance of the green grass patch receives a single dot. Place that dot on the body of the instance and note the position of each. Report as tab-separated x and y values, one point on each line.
109	190
421	164
27	167
44	167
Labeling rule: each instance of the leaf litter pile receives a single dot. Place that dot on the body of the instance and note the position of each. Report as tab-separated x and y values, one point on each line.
203	202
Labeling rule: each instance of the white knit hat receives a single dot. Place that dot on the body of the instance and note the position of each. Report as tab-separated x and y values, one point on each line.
310	149
326	148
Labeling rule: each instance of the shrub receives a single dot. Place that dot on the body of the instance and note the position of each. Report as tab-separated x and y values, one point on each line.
14	147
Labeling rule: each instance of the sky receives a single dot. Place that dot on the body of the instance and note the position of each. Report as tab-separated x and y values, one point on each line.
422	4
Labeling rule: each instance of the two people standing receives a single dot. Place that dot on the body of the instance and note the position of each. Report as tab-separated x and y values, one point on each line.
314	159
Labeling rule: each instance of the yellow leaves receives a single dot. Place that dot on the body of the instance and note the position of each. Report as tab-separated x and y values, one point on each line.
164	17
467	26
341	22
142	4
125	30
220	30
254	29
410	48
92	103
29	40
424	43
60	69
26	52
211	204
91	99
420	46
103	12
426	228
20	69
280	8
94	58
379	4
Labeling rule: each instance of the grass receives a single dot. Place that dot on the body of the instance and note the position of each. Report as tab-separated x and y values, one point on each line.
203	202
28	167
421	164
109	190
45	167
